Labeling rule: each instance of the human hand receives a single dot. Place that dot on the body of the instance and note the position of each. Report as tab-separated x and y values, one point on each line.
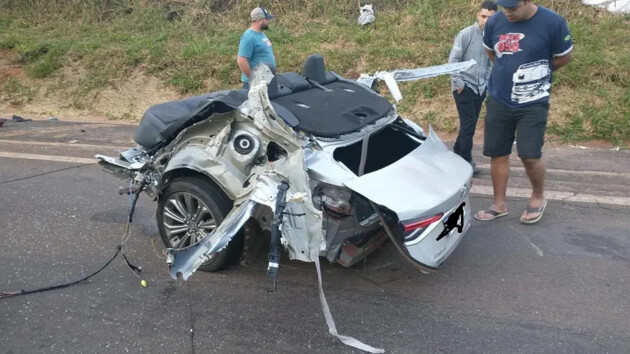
459	90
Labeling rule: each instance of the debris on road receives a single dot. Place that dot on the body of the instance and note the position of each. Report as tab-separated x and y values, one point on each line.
54	119
19	119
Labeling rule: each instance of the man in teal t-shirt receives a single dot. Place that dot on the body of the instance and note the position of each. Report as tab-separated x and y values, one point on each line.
254	47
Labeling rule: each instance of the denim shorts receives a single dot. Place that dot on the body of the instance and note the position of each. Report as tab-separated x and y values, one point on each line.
525	124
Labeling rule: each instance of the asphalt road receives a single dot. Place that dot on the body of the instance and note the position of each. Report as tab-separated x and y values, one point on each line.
560	286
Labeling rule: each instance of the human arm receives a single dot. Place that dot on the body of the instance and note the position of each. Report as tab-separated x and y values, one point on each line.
243	64
561	45
457	56
245	51
559	62
491	55
487	39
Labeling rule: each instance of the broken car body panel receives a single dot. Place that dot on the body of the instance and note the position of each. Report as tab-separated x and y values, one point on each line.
249	145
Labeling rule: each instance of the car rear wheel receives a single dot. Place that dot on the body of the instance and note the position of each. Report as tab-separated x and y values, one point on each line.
190	208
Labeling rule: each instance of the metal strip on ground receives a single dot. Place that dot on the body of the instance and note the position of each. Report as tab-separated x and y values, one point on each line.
331	323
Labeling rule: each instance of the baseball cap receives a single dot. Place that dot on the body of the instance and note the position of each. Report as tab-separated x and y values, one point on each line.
508	3
259	13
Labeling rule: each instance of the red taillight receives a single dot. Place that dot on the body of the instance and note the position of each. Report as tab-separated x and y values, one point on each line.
422	223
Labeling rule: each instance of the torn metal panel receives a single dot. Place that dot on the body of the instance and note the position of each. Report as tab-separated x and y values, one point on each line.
265	117
185	261
302	222
302	233
402	75
201	148
198	159
322	167
431	71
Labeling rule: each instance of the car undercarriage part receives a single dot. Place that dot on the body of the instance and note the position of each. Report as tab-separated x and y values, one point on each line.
274	248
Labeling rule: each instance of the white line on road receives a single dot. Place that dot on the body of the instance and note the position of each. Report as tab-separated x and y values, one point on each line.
570	172
520	232
555	195
15	155
46	143
476	189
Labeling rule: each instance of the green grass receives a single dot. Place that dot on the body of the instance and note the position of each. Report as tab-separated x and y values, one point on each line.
191	45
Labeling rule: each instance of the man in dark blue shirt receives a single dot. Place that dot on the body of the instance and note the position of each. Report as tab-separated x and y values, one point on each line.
526	43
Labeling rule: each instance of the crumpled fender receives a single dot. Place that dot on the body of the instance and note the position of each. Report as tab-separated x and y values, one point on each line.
302	233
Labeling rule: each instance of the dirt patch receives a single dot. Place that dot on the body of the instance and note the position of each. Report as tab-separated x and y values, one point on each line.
10	72
129	98
338	45
125	98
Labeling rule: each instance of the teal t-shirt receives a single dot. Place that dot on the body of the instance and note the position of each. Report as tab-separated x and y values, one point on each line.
256	47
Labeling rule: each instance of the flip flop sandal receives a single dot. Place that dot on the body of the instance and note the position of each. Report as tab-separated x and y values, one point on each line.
529	210
495	214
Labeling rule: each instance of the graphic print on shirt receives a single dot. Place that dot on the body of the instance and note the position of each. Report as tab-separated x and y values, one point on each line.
267	41
508	44
531	81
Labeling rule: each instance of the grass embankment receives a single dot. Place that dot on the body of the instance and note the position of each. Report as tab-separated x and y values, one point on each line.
74	51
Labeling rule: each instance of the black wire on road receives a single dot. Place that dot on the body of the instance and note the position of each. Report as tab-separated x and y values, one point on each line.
119	250
46	173
48	288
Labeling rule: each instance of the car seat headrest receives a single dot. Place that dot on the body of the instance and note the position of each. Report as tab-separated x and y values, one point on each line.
314	69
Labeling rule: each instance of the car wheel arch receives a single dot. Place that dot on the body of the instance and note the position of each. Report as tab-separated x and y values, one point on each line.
185	172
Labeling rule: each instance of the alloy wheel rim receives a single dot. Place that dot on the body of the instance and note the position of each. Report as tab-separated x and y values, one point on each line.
186	219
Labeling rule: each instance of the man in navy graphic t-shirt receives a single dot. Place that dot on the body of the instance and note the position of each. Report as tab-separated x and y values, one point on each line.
527	43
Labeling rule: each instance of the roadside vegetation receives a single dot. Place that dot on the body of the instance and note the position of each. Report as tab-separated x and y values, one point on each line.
73	50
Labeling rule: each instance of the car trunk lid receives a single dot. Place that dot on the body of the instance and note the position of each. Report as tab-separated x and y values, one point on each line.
428	180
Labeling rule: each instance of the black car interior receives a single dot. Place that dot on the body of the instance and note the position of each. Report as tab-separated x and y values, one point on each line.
318	102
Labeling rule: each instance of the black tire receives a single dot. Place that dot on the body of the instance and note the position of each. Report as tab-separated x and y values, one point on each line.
181	200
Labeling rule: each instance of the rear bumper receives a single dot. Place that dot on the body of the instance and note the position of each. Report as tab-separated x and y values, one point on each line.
431	250
430	180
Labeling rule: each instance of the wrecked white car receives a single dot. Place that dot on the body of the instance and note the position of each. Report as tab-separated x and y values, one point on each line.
323	165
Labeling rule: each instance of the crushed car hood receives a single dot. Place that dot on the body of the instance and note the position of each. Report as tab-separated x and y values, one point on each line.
443	176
